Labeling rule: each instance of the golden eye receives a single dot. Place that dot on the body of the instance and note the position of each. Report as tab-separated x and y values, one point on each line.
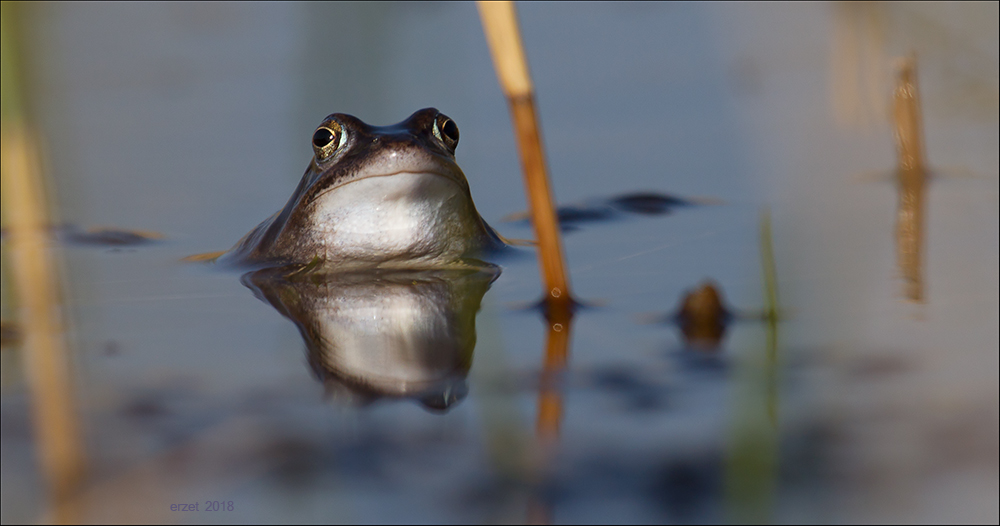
446	131
327	139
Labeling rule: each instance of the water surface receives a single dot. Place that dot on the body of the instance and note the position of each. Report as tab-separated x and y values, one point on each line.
193	121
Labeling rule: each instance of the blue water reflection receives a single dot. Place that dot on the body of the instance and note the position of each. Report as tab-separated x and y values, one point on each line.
194	121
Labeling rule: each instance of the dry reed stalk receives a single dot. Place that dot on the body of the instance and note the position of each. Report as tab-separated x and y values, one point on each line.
36	279
500	25
36	284
911	177
857	63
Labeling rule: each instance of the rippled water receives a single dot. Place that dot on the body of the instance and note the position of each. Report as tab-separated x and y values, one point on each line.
199	384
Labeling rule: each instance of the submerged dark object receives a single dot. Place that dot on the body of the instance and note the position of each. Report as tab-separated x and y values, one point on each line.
100	236
383	334
106	236
376	197
606	209
647	203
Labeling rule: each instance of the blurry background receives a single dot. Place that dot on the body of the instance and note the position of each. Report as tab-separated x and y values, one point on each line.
194	120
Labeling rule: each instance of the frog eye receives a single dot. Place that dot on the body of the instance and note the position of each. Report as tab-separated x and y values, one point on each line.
446	131
327	139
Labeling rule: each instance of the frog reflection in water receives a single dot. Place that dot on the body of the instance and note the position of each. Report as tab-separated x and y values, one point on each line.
375	258
383	334
376	197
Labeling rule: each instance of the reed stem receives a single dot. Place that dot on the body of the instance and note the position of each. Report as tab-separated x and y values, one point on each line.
500	25
37	284
911	179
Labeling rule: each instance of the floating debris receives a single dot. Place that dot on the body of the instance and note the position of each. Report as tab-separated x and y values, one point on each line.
106	236
605	209
99	236
651	204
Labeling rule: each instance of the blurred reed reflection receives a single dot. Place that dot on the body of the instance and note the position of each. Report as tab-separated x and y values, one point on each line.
912	176
402	334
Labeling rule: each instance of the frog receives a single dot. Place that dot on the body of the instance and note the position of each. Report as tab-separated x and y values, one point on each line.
376	197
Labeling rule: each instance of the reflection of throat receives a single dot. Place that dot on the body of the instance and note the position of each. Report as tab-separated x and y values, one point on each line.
394	334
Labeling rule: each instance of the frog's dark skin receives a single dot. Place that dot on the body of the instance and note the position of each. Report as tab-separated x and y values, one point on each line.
379	197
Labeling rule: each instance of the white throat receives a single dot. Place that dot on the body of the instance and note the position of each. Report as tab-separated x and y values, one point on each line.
404	216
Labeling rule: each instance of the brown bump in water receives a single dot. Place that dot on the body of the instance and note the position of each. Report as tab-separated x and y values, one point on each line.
703	317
